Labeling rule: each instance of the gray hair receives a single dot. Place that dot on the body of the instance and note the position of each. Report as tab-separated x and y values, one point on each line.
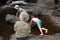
24	17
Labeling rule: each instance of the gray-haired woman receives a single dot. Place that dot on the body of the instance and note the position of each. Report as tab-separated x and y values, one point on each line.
22	13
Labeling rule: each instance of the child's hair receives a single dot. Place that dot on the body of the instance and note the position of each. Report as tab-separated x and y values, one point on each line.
33	15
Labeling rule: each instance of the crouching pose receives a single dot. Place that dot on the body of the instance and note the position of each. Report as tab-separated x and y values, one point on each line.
22	29
38	22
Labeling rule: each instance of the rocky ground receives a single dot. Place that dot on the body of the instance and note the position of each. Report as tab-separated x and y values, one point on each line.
47	11
33	37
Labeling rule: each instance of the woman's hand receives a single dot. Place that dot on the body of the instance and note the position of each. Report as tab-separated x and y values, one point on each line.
16	16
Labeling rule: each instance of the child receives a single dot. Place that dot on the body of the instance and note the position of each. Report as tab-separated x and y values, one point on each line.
38	22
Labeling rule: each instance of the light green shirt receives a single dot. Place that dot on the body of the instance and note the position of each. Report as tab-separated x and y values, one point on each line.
21	29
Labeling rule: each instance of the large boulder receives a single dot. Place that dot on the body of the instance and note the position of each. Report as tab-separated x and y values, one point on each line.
45	1
11	18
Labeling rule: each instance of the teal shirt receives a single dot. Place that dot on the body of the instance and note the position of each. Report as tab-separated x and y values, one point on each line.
37	20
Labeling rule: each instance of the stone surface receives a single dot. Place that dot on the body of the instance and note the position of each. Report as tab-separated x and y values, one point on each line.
43	9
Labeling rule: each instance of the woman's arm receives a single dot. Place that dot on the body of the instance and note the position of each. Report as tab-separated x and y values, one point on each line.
17	14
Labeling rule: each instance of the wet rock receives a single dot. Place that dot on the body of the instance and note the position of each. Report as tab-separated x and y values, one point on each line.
45	37
1	38
56	1
12	37
49	37
11	18
57	36
47	12
45	1
55	20
56	12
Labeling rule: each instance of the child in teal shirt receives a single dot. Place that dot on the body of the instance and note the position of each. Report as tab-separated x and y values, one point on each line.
38	21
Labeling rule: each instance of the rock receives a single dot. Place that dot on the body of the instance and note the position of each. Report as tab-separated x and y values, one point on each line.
1	38
46	1
47	12
49	37
57	36
11	18
12	37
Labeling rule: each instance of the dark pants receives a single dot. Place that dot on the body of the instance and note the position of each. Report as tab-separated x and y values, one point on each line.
23	38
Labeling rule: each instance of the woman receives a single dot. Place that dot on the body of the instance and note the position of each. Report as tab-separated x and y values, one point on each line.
21	13
22	29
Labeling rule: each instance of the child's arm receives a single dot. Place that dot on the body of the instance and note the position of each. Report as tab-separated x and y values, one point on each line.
31	21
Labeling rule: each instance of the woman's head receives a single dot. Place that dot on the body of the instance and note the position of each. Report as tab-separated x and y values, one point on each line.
16	6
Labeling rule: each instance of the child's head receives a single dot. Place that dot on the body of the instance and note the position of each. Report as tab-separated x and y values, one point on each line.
33	16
